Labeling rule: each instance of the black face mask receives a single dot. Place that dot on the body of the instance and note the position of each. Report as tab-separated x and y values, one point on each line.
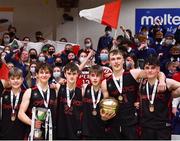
58	64
11	34
51	52
67	51
158	40
38	39
33	56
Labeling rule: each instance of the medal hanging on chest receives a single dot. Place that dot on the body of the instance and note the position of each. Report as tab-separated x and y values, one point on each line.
120	98
13	116
95	101
151	107
94	112
13	113
151	101
119	87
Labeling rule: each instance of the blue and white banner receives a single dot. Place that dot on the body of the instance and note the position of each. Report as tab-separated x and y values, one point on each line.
169	18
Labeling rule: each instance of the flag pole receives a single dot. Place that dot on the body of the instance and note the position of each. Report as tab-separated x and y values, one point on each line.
115	33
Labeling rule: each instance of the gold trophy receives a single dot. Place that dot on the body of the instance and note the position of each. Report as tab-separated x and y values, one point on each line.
109	105
41	114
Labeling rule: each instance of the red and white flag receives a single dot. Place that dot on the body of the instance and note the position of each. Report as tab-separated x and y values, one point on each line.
107	14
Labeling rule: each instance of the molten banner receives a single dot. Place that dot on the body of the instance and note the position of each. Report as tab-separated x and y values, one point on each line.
169	18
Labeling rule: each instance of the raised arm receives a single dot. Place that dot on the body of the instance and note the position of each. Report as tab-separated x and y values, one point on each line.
24	106
139	74
91	53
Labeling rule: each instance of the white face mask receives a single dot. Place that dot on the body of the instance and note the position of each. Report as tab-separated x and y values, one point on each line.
88	45
56	74
82	59
169	42
128	65
6	40
41	59
7	51
32	69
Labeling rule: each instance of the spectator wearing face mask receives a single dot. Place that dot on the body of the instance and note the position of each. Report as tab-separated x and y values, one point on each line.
33	55
88	45
7	49
104	58
105	40
39	36
42	58
171	68
12	33
82	55
31	76
51	54
64	54
56	76
164	50
131	62
58	61
5	39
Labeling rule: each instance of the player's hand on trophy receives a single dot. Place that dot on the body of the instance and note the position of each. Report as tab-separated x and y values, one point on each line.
136	105
38	124
105	115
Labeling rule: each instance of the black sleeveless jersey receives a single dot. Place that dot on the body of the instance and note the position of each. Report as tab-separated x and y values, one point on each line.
161	116
126	114
36	100
93	126
11	130
69	119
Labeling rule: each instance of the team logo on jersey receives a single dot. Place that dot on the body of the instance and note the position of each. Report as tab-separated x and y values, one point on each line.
35	94
88	91
6	97
109	85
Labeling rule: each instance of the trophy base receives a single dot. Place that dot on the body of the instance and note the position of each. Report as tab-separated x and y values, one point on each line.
38	134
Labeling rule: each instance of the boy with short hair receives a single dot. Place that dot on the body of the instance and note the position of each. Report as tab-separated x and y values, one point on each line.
38	106
11	128
155	107
123	86
69	106
93	126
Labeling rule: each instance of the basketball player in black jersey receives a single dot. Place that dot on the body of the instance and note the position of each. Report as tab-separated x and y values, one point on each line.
93	126
40	96
123	86
69	106
11	128
155	107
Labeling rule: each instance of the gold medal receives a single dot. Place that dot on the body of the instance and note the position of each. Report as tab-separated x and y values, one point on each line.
120	98
13	117
94	112
151	107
